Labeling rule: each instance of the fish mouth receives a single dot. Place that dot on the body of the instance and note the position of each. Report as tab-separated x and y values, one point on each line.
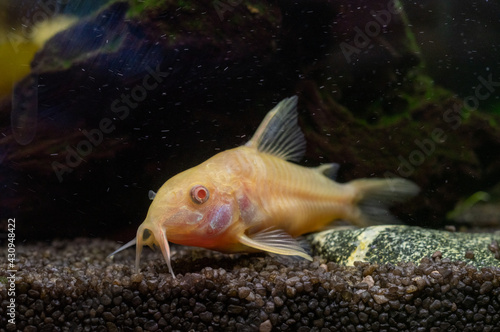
151	236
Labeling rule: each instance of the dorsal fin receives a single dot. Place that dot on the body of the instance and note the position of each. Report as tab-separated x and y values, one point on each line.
279	133
328	170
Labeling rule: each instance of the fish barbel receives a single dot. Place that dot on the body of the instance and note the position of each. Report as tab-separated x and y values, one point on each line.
252	198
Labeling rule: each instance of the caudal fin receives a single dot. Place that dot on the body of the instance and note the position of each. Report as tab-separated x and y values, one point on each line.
374	196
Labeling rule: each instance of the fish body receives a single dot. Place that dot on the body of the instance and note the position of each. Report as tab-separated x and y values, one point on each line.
252	198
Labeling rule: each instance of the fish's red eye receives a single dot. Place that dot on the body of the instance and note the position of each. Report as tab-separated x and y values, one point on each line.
199	194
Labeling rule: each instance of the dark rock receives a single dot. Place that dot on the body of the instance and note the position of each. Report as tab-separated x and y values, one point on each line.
395	243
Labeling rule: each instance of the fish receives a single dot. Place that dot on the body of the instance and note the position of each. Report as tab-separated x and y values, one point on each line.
256	197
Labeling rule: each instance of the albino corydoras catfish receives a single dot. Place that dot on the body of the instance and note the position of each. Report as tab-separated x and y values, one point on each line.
252	198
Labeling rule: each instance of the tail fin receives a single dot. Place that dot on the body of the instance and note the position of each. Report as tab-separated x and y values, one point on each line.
374	196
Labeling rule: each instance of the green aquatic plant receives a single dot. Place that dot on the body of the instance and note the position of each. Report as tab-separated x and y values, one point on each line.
464	205
137	7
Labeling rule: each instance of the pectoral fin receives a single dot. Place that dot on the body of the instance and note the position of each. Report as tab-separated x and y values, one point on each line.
275	241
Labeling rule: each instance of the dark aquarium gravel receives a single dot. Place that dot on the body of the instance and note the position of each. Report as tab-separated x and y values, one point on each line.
72	286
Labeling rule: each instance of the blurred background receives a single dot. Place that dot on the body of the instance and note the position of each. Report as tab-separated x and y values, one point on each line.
102	101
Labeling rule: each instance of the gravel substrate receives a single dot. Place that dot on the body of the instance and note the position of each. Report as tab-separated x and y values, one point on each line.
71	285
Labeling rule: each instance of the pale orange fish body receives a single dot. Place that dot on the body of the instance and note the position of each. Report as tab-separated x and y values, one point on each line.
251	198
